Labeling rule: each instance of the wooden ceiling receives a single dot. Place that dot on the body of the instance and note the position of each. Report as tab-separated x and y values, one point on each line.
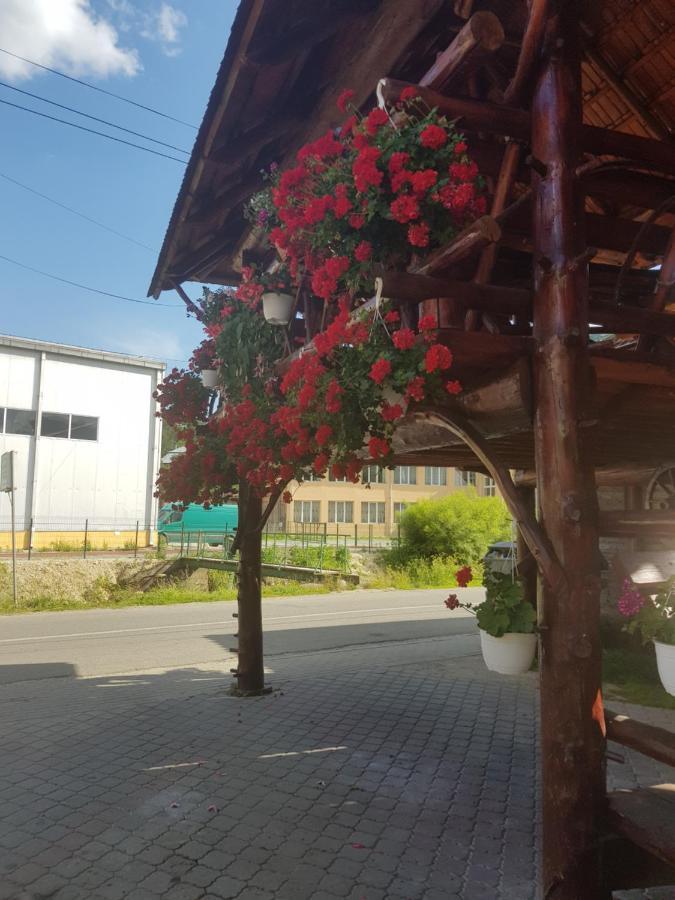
287	61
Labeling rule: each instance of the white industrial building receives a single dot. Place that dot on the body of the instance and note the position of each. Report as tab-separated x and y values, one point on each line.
87	440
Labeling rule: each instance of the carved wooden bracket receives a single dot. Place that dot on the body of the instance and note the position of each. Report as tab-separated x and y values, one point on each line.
534	535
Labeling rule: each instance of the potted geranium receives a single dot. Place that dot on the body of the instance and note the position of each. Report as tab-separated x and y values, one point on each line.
276	289
203	361
654	618
505	619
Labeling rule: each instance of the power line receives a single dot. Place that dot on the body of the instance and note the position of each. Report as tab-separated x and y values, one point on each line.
76	213
93	131
85	287
95	88
93	118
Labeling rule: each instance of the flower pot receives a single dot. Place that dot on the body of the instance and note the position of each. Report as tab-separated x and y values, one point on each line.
277	308
511	654
665	661
210	378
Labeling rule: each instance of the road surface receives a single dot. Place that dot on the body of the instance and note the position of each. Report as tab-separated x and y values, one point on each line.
141	639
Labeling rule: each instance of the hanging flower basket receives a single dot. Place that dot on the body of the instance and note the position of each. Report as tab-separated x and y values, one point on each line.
210	378
511	654
665	662
277	308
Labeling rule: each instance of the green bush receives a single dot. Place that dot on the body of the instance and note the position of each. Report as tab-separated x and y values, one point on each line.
406	574
461	525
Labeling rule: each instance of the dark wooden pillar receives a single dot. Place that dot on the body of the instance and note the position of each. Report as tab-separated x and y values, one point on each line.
251	673
572	751
527	567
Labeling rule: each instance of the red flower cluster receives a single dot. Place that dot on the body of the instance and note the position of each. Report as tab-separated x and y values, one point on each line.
463	576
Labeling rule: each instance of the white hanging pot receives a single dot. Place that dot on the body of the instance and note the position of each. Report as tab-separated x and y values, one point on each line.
210	378
277	308
665	661
511	654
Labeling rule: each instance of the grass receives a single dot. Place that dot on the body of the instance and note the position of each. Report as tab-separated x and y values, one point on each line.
630	674
437	572
164	595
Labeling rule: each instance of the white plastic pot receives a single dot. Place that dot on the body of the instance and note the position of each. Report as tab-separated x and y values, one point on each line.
210	378
665	661
277	308
511	654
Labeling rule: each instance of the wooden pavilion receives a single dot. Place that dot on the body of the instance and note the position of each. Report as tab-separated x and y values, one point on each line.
558	306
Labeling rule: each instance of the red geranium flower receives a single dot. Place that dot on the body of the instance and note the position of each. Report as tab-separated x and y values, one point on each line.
379	370
404	339
452	602
427	323
345	99
453	387
287	496
323	435
405	208
433	137
375	118
415	389
356	220
408	93
391	412
392	316
363	251
464	576
378	448
418	235
437	357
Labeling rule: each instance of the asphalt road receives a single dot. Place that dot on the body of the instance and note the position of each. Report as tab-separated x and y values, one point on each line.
137	639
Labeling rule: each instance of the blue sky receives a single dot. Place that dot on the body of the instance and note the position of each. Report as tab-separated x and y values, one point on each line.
161	54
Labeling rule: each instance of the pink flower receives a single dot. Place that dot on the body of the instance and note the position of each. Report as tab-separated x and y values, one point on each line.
631	600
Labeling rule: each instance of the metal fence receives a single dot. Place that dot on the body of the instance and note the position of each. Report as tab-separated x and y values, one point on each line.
83	535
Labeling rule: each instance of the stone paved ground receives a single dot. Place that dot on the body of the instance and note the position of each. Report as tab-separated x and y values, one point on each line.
364	775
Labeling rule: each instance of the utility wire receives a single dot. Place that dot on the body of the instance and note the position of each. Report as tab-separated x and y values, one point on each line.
93	118
93	131
95	88
76	213
85	287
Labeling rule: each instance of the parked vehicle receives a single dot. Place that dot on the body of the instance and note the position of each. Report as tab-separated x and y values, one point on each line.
500	557
194	523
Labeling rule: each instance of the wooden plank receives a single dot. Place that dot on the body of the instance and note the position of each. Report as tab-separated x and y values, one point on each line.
637	523
646	816
479	234
619	367
656	743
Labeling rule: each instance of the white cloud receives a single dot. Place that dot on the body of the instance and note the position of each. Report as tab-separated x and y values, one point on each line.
164	26
63	34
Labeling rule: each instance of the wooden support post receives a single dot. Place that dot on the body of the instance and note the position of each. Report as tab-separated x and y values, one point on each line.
572	745
250	669
527	568
481	36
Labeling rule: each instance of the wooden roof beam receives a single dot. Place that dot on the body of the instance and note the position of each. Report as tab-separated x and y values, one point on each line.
482	35
507	121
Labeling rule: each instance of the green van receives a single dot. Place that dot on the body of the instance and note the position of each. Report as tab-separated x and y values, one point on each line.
196	524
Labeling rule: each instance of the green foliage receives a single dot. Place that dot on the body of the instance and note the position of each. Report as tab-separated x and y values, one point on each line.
406	574
629	673
220	581
462	525
309	557
504	610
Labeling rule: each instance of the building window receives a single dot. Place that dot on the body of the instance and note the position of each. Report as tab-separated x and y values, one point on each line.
340	511
63	425
465	479
489	488
372	475
436	475
83	428
305	511
372	513
405	475
55	425
399	509
332	477
19	421
312	476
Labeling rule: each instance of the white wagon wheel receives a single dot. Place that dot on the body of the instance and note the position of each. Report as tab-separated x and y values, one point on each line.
660	494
